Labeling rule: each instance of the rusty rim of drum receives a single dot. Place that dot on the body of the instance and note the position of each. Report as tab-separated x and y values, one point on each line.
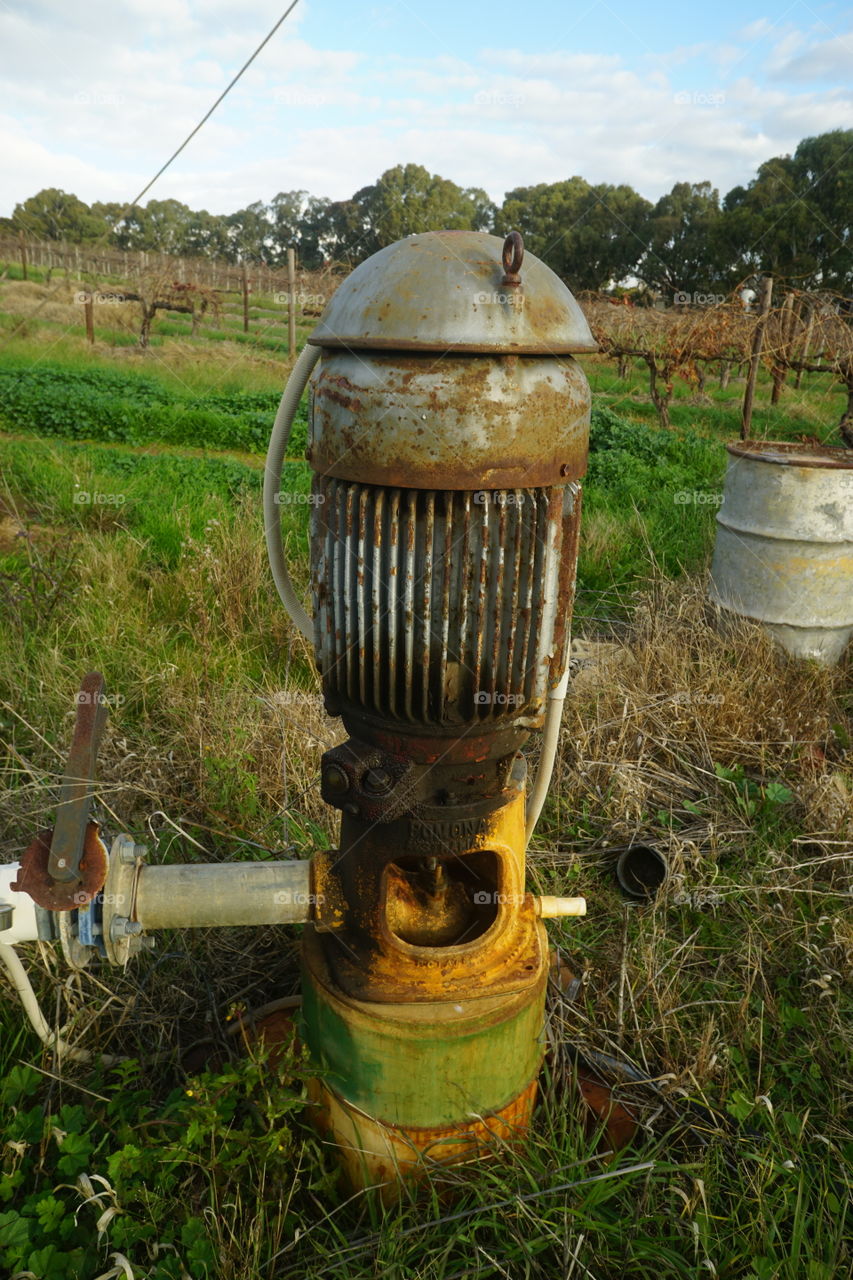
789	453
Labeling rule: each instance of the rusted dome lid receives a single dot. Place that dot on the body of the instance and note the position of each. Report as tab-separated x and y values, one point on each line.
464	291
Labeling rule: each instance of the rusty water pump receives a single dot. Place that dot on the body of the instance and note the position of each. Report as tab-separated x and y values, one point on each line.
448	436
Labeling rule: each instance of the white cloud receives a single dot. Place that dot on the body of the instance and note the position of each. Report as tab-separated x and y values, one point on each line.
30	166
830	60
784	50
554	64
756	30
101	96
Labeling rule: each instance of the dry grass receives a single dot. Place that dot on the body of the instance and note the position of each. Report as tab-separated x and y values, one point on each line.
752	922
680	694
58	303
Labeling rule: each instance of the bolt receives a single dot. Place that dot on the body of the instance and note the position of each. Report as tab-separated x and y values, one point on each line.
335	778
129	851
121	927
351	808
134	946
378	781
62	862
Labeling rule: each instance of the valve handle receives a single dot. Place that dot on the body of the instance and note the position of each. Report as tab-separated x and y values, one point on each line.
66	865
72	814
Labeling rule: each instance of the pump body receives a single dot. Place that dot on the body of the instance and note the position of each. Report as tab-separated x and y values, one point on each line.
448	435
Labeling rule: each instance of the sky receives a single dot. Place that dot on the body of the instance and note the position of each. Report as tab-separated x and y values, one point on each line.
95	96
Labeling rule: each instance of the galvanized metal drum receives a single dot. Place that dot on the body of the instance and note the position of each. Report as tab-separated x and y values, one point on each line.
784	549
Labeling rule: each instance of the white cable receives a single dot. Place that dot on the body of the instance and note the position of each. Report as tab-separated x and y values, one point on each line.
18	976
21	983
547	759
296	384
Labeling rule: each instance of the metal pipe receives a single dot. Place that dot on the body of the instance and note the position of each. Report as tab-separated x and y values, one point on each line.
640	871
207	896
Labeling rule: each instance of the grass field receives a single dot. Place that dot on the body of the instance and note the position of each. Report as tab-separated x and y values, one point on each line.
730	991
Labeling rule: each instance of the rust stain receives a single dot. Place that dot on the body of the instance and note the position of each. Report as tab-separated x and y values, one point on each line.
400	421
384	1156
600	1107
34	878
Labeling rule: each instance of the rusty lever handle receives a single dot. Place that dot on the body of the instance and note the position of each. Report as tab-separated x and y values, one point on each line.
72	815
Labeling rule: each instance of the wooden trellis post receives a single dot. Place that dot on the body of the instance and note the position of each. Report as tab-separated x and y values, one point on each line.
765	294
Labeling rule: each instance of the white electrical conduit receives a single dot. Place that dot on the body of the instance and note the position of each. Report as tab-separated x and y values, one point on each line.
550	739
18	976
296	384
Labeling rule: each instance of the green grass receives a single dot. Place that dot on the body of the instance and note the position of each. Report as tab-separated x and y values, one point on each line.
730	987
157	499
267	337
650	498
813	409
97	404
14	271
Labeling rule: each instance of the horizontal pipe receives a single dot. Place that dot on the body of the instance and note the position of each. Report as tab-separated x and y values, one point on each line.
552	908
210	895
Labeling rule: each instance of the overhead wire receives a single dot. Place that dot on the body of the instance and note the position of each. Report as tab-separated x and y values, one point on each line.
210	112
135	201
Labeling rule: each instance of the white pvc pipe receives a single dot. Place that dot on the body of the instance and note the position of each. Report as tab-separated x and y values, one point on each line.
554	908
296	384
550	740
24	924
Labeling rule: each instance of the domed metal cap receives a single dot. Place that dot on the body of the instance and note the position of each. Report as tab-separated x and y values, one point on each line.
464	291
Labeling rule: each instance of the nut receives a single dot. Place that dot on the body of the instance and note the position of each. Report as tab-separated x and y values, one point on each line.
130	851
121	927
378	782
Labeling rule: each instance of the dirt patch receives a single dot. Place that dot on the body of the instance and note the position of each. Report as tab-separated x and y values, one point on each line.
14	533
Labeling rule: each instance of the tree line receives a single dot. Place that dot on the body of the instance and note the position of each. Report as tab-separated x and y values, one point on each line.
793	221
